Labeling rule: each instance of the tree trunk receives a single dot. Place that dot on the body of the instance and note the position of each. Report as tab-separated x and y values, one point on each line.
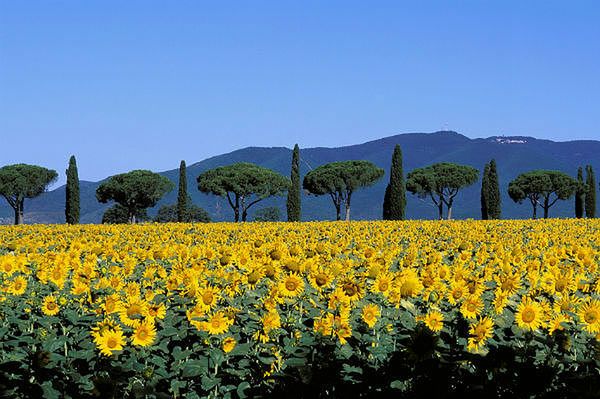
348	206
546	208
132	218
441	210
19	212
244	215
338	211
534	211
450	211
236	209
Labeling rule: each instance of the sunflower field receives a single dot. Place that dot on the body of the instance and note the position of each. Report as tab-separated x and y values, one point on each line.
323	309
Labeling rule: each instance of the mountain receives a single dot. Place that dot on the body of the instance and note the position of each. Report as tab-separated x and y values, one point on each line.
513	155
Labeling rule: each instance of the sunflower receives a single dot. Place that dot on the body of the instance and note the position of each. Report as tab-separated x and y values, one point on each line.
157	311
457	292
383	283
566	303
7	265
144	334
18	286
500	301
320	279
292	285
271	321
370	313
217	324
589	316
479	333
256	274
351	289
472	307
110	341
434	320
343	332
80	286
228	344
565	282
50	307
58	275
508	283
410	284
557	322
324	324
132	311
110	304
530	314
207	297
337	298
103	326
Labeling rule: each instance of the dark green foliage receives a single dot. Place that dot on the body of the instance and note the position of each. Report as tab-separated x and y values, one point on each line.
243	184
269	214
490	192
72	193
135	191
485	190
192	213
394	201
494	199
441	182
579	194
118	214
339	180
543	188
21	181
293	197
590	194
182	194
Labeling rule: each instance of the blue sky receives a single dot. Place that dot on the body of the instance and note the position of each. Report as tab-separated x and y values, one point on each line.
139	84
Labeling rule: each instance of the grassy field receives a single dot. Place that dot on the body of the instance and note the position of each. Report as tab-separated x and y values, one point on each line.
327	309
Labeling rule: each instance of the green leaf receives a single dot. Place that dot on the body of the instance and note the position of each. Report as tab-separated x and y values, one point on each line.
295	362
241	388
176	385
209	382
49	391
195	368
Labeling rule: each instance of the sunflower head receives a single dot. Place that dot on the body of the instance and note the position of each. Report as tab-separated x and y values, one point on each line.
50	306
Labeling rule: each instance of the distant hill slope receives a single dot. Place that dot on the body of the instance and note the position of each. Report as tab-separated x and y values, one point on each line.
513	155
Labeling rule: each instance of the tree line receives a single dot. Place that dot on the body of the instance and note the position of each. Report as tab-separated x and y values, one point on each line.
244	185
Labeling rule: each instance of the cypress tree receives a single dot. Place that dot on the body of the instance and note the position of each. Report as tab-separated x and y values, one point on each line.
293	197
394	201
72	193
485	188
182	195
579	194
386	203
590	195
494	200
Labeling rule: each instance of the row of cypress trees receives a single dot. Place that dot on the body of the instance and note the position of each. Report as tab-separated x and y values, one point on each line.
394	202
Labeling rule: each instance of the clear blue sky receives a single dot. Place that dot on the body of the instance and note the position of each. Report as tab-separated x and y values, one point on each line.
139	84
